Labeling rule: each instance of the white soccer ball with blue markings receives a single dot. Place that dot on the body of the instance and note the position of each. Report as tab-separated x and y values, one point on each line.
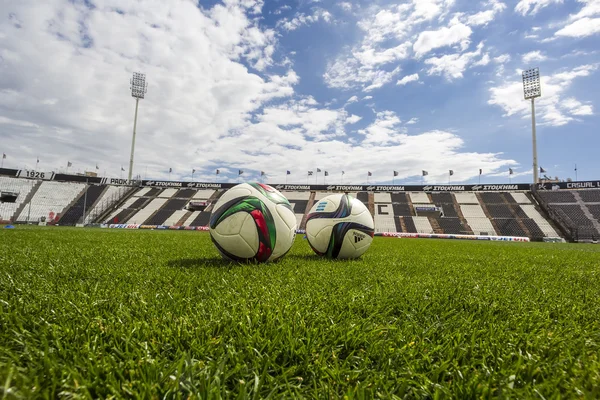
340	226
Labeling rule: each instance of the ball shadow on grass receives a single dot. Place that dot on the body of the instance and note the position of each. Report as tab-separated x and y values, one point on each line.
202	262
219	262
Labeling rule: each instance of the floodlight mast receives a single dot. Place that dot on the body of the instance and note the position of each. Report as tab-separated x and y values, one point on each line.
138	90
531	90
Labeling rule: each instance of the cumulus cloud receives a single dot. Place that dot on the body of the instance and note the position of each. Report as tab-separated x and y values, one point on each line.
302	19
408	78
486	16
218	96
457	33
386	41
533	56
452	66
581	28
553	107
532	7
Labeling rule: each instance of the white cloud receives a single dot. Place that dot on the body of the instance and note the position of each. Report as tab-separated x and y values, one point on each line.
502	59
217	96
452	66
457	33
575	107
532	7
533	56
346	6
552	108
386	41
581	28
352	99
384	130
408	78
487	16
485	60
303	19
198	87
412	121
353	119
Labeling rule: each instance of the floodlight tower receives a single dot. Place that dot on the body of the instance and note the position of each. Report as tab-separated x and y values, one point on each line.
138	90
531	90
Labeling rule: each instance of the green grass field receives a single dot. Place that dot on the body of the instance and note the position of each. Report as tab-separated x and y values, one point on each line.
154	314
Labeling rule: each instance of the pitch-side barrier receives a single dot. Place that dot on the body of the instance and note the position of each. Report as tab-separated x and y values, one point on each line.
449	236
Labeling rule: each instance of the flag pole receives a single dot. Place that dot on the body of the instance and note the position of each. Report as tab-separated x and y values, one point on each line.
576	173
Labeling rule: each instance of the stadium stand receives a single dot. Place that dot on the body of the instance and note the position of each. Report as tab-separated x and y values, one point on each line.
481	226
107	200
419	198
202	218
299	202
23	188
74	214
541	222
589	196
575	212
384	218
145	213
422	225
509	227
50	200
466	198
167	193
184	193
409	224
174	219
203	194
166	211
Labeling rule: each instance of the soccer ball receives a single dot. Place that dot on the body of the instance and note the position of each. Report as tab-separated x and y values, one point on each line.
252	222
339	226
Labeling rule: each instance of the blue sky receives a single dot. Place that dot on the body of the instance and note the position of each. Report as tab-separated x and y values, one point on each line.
274	86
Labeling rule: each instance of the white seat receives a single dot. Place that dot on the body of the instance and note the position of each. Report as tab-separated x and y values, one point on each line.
520	198
50	200
422	224
472	211
466	198
175	217
481	226
382	198
145	213
167	193
384	223
14	185
142	192
419	197
191	218
203	194
544	225
109	198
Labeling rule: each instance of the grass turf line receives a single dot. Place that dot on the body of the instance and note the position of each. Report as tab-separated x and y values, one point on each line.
101	313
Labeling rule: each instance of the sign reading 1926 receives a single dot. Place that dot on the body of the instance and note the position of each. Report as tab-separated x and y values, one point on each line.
31	174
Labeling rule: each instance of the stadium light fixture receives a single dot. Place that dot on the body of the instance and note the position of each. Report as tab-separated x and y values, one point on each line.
531	90
139	87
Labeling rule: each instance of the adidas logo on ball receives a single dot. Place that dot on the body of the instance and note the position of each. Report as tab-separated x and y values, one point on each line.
358	237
